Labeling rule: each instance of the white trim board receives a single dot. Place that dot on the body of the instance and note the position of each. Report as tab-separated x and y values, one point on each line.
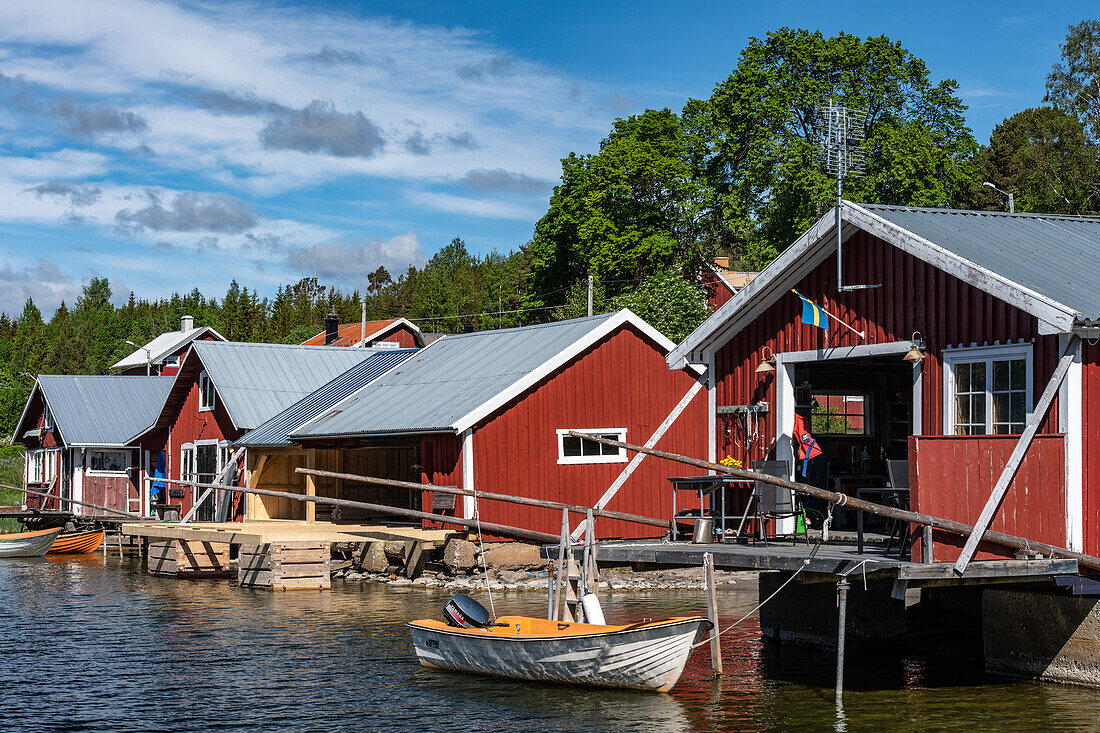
818	243
468	472
1070	423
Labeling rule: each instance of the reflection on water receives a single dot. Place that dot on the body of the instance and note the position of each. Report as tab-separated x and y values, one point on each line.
94	644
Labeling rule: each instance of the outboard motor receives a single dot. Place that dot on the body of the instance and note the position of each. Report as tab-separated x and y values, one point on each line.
465	613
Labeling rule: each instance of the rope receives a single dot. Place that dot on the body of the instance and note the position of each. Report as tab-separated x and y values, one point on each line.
805	564
484	567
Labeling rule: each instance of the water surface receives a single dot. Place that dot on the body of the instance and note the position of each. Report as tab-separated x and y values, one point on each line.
95	644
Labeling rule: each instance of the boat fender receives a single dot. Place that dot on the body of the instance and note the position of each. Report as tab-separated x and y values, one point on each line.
465	613
593	613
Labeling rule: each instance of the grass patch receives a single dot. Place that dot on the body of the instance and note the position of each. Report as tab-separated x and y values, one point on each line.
12	459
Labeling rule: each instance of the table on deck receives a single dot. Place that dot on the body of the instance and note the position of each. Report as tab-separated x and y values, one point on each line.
704	485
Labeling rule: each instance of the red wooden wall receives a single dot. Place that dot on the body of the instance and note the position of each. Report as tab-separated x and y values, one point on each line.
622	382
914	297
968	467
403	335
1090	437
441	465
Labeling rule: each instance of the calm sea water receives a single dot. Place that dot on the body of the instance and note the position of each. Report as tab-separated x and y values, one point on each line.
94	644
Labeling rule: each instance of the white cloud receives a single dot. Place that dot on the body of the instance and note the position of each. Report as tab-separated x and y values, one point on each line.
482	208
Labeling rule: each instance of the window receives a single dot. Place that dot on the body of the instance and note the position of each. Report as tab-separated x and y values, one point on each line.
42	465
206	392
172	361
838	414
224	454
187	462
385	345
108	461
987	391
47	418
578	450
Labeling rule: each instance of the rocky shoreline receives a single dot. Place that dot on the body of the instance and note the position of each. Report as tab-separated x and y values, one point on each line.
614	579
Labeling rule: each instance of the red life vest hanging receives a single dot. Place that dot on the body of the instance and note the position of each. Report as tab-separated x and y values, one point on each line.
807	444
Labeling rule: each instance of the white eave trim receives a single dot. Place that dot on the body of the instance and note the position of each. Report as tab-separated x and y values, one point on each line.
604	329
793	264
396	324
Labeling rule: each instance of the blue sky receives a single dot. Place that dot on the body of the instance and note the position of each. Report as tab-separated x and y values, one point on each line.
178	145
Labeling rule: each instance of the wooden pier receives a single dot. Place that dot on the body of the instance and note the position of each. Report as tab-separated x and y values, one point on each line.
831	561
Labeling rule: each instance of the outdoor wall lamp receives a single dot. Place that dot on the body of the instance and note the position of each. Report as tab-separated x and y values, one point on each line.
768	363
916	348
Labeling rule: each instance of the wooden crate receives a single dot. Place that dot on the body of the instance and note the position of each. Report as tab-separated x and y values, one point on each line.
189	559
285	566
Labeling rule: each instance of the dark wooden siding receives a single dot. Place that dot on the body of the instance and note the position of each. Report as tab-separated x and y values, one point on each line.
1034	507
622	382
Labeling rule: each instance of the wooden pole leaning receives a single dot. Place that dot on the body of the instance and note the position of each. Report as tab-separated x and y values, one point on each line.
80	503
509	498
902	515
492	528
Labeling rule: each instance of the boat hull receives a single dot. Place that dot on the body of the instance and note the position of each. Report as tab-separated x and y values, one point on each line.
28	544
646	657
79	543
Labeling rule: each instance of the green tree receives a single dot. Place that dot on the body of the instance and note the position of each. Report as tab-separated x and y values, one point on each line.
628	211
1043	155
1073	85
669	303
755	139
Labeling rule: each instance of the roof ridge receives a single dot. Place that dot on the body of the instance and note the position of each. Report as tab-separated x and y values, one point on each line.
979	212
531	327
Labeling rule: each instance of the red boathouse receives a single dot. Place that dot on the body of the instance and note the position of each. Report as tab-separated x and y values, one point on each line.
950	326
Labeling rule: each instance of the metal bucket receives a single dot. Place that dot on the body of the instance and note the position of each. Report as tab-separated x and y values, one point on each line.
703	533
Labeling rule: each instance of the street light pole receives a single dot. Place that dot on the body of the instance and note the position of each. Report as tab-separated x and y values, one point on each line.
148	356
1011	198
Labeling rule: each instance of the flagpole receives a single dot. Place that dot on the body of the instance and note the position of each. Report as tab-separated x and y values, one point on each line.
862	334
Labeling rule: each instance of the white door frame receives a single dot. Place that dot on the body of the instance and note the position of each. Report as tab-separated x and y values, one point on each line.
785	394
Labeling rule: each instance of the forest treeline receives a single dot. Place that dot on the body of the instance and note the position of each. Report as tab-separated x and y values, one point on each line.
736	174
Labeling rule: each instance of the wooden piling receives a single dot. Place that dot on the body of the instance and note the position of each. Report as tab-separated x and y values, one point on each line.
285	566
188	559
712	614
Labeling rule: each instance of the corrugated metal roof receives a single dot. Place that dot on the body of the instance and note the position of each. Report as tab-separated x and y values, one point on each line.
1055	256
103	410
258	381
274	432
449	379
162	346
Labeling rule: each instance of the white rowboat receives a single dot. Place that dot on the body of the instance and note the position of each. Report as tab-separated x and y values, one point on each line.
28	544
642	656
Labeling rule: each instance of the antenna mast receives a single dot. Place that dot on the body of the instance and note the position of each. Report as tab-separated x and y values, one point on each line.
841	153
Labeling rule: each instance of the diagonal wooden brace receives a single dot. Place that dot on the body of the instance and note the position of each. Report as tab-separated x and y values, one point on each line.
1017	457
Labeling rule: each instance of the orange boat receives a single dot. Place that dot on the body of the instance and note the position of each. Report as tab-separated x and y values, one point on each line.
77	543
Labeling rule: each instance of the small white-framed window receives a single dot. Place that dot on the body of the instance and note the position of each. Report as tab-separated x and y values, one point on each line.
224	454
108	462
385	345
42	465
171	361
987	390
573	450
187	462
207	394
47	418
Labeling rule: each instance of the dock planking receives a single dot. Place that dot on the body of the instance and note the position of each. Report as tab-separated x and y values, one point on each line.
831	560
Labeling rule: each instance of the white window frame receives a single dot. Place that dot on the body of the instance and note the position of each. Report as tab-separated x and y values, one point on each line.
385	345
564	460
187	467
47	419
171	361
42	465
204	383
988	354
94	472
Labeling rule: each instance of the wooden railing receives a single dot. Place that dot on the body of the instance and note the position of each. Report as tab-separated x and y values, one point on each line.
952	477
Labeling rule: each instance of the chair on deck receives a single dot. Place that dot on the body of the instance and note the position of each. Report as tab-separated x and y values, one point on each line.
773	502
898	472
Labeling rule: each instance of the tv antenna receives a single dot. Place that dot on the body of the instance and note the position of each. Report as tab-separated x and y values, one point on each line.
841	153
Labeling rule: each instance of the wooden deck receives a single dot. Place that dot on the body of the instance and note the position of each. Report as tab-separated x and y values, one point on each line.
259	532
831	560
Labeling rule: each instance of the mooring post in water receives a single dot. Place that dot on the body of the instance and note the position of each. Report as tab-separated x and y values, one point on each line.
712	614
842	608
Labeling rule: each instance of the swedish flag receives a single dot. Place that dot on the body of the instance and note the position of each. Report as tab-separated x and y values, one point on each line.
812	313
